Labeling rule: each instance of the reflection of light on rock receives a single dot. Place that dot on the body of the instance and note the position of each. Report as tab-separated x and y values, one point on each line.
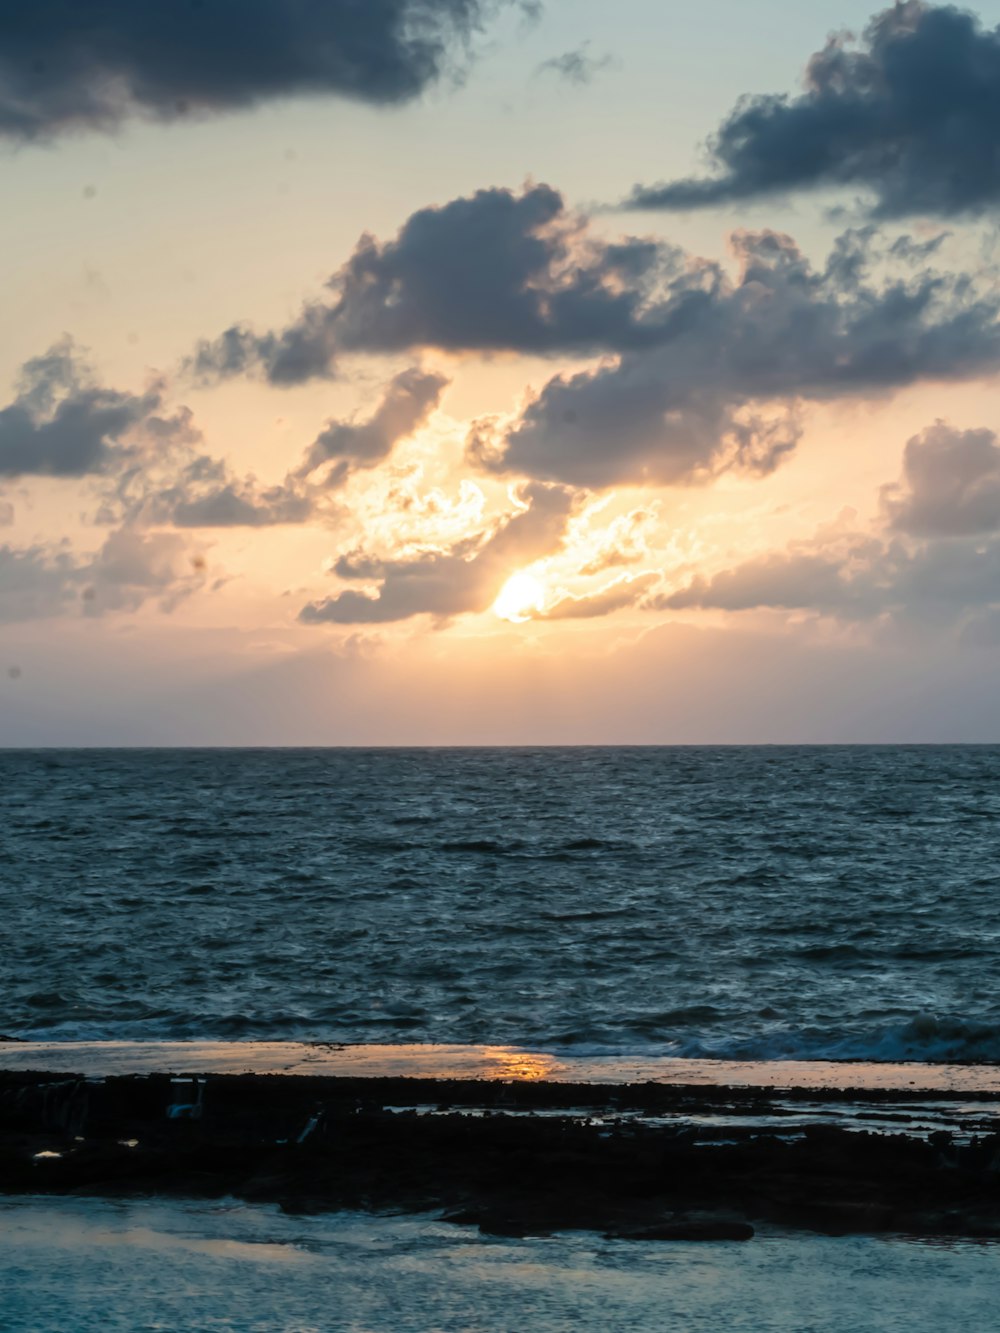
524	1066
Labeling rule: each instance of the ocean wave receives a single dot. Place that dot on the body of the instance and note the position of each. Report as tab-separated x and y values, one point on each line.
924	1039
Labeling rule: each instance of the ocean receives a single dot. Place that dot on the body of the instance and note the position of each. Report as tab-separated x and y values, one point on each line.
119	1266
730	902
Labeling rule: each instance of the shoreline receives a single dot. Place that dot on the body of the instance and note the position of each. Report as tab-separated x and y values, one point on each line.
514	1152
502	1063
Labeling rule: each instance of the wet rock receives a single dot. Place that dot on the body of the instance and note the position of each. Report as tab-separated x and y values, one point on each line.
596	1161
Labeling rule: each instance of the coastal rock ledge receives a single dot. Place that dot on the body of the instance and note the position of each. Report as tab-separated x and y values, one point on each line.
635	1162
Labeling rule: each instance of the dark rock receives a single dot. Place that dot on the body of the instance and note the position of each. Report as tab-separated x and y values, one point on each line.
508	1173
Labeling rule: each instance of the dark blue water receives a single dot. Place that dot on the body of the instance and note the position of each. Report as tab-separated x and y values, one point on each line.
721	901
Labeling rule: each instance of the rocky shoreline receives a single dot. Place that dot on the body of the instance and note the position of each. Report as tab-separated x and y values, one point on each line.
647	1161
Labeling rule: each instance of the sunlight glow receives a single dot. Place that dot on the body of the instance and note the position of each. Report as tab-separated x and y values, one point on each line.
521	595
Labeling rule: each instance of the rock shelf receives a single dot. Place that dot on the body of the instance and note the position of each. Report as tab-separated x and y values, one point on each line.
648	1161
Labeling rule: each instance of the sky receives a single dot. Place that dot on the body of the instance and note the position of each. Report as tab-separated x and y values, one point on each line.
492	372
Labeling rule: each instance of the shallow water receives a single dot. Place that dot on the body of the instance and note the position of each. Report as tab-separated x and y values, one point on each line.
87	1265
735	902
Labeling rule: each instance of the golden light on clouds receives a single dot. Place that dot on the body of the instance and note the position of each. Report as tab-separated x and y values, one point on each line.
520	597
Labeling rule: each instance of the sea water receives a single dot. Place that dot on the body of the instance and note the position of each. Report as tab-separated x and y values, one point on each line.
719	901
127	1266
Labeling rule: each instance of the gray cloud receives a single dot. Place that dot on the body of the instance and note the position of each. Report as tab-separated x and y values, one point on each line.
577	66
950	485
463	578
408	401
710	365
497	271
129	569
198	491
937	582
194	490
722	391
238	505
856	576
940	571
911	115
62	424
66	65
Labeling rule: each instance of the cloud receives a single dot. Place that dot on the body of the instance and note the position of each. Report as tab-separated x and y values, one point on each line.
145	458
578	66
70	66
624	542
496	271
856	576
61	423
194	490
235	504
407	403
938	560
936	582
710	365
129	569
446	582
950	485
911	115
722	390
616	596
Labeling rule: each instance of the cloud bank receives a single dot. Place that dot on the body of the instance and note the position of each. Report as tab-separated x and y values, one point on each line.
708	367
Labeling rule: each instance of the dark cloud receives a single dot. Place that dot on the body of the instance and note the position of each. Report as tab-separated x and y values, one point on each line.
129	569
911	115
465	577
146	459
70	65
498	271
304	351
63	424
407	403
710	366
577	66
721	392
950	485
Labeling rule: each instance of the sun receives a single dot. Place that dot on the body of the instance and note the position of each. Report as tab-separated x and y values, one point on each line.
518	598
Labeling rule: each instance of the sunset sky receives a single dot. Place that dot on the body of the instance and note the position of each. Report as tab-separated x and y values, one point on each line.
429	371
